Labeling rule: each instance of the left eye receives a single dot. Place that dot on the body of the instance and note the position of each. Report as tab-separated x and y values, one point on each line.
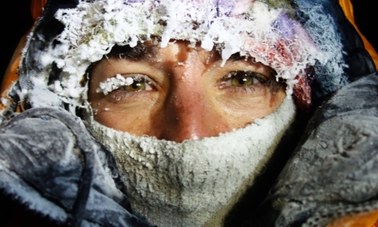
242	79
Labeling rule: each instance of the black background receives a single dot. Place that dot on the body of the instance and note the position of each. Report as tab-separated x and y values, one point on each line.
16	19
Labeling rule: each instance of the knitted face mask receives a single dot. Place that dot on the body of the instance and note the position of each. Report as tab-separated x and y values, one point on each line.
195	182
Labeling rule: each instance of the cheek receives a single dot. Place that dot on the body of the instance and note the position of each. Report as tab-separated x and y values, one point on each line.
241	111
135	118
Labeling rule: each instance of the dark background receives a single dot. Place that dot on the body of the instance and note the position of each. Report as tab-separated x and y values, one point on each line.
367	20
16	19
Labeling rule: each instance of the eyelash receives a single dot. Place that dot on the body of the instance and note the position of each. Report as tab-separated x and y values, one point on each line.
253	81
131	88
256	80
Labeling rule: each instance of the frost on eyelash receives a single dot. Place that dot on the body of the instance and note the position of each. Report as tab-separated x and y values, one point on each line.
114	83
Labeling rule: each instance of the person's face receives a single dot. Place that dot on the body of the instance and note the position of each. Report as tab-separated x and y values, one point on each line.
181	93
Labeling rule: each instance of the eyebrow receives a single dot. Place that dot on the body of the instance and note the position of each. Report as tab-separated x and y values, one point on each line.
237	56
139	52
142	51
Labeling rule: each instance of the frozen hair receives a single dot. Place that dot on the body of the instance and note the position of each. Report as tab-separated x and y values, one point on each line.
272	32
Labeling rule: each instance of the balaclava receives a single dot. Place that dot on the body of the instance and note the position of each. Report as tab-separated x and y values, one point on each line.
197	180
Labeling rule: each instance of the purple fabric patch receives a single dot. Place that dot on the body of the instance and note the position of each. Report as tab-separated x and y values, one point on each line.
224	7
284	26
134	1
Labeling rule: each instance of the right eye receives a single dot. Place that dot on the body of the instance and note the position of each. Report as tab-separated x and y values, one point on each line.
129	83
243	79
138	84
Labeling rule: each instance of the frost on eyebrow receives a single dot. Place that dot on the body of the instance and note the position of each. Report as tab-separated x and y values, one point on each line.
139	52
114	83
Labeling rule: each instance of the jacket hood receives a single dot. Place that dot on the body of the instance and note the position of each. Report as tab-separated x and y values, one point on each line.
287	36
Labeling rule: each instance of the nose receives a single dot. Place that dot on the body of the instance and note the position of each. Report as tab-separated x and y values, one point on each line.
188	109
189	115
186	117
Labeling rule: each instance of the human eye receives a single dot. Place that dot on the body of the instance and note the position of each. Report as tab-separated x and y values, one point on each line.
243	81
126	84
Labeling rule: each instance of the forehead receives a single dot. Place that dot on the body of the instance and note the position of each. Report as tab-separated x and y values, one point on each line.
151	49
176	50
177	53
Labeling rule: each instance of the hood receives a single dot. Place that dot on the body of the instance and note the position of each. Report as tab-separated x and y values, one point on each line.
289	36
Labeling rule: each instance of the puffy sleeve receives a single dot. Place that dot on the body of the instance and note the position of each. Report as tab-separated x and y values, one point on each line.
333	175
51	166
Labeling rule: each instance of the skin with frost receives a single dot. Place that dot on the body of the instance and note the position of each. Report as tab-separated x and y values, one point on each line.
182	93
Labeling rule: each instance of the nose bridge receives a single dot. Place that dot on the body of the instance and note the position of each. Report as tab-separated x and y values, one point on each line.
187	105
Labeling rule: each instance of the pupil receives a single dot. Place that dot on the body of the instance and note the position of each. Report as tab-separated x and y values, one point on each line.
139	84
136	85
243	81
